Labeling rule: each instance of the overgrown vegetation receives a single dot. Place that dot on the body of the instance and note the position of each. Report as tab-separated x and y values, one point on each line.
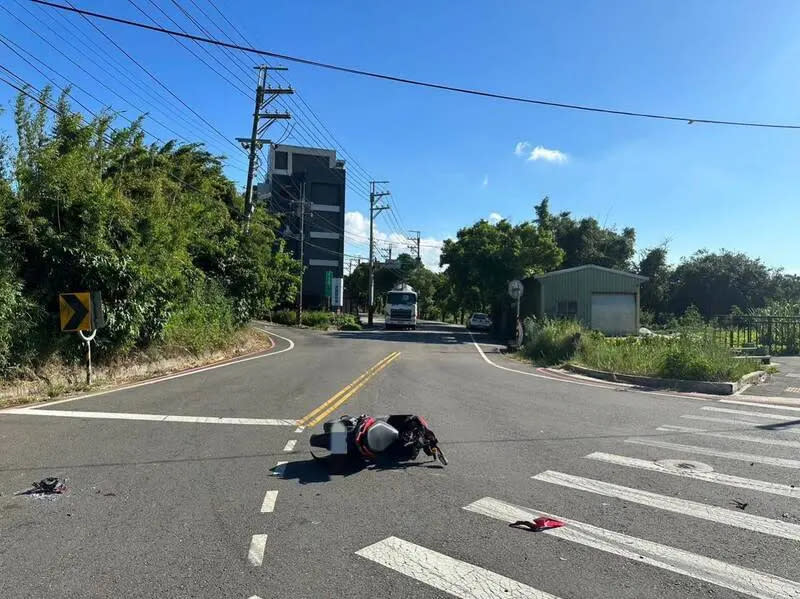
318	319
686	355
156	228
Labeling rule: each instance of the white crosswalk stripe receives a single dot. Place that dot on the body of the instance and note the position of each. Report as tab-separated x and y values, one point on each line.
712	477
788	427
730	455
748	413
684	507
726	435
741	580
445	573
754	404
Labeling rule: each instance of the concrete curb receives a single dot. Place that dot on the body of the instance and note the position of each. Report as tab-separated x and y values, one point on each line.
714	388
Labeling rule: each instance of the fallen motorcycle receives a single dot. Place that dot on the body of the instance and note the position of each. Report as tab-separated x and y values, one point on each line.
395	438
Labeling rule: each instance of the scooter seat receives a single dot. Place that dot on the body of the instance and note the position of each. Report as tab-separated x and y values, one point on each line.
380	436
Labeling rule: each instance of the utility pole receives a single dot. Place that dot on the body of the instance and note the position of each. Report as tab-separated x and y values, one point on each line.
374	210
265	95
419	257
302	238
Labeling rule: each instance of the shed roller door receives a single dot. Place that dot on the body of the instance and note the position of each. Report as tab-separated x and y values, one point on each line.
614	313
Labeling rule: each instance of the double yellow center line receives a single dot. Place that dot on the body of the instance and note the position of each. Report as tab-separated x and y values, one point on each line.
316	415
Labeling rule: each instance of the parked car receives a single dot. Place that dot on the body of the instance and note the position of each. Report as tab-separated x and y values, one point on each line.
479	322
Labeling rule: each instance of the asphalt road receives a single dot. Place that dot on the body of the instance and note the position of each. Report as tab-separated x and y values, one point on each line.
175	488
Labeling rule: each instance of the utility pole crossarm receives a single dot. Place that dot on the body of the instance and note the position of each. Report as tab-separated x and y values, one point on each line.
264	96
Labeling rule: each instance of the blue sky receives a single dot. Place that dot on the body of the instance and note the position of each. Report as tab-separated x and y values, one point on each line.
451	159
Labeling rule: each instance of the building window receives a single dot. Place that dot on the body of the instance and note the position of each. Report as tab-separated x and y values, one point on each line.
567	309
281	161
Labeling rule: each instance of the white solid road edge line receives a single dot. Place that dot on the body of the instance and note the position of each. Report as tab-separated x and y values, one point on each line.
684	507
742	580
717	453
255	555
152	417
460	579
268	505
712	477
609	386
289	445
169	377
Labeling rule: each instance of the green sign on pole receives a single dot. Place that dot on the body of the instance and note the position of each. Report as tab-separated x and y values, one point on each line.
328	282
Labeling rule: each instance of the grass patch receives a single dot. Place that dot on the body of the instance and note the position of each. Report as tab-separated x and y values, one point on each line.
685	356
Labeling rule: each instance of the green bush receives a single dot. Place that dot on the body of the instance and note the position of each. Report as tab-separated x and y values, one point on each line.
350	326
205	322
551	341
287	317
317	319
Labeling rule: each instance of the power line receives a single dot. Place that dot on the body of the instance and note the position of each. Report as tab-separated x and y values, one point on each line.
116	68
419	83
153	77
108	140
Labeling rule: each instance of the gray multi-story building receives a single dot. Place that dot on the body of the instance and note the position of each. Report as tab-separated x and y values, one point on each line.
315	175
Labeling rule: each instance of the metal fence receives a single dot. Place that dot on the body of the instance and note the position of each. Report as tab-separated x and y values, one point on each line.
777	334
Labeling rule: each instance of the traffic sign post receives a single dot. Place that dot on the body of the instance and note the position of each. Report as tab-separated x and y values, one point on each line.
82	311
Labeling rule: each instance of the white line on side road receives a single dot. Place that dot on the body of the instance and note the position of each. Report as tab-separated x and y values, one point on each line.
445	573
712	477
289	445
151	417
684	507
734	436
731	455
268	505
279	468
776	417
742	580
256	553
170	377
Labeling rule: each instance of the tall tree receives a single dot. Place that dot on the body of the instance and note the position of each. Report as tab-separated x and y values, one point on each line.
655	291
585	241
715	282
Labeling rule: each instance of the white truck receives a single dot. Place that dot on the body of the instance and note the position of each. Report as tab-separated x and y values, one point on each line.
401	308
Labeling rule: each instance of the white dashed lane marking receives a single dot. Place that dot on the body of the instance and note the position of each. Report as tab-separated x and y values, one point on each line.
684	507
742	580
289	445
268	505
460	579
712	477
258	544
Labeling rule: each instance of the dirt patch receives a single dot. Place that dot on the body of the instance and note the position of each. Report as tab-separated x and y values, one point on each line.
55	380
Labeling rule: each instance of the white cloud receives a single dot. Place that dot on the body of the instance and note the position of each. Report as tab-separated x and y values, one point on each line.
542	153
485	182
522	148
356	227
525	148
495	218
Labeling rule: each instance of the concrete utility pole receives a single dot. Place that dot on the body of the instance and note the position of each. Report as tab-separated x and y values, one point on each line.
419	257
374	210
264	96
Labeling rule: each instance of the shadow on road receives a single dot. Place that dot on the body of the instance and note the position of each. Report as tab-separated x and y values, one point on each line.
321	470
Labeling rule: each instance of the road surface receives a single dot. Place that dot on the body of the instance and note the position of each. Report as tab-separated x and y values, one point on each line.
203	486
